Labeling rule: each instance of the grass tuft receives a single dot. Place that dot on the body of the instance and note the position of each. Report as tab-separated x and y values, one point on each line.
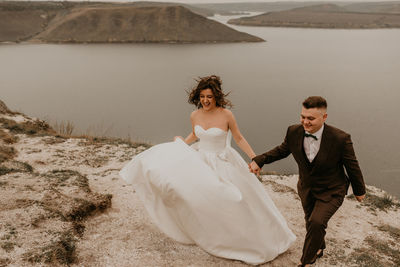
374	202
378	253
4	262
91	140
59	177
363	257
8	246
383	248
382	203
7	153
79	208
67	200
277	187
36	127
84	208
5	170
7	138
61	250
15	166
393	231
79	228
64	129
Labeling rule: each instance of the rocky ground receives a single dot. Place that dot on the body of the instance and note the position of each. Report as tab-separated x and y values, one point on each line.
62	203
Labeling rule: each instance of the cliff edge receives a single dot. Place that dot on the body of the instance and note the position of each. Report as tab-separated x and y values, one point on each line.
55	209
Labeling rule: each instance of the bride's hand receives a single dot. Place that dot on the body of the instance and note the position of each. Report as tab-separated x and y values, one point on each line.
253	168
179	137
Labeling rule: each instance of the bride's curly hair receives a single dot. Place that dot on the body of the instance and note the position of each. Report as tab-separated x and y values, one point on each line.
214	83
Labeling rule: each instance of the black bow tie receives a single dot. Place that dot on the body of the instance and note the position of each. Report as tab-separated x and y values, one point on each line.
310	135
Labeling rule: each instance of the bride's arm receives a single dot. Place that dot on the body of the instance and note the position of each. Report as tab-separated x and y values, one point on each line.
191	137
238	137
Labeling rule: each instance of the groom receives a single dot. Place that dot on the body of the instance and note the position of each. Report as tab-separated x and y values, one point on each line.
322	153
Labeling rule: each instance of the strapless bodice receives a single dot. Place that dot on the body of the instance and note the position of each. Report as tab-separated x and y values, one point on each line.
211	140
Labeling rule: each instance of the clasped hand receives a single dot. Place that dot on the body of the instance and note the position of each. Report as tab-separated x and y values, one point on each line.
360	198
253	168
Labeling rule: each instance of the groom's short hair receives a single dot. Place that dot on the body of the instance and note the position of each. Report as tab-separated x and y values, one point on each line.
315	102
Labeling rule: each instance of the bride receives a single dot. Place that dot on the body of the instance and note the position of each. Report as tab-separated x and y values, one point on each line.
204	193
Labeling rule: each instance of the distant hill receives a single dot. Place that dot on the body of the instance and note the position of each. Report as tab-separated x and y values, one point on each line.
20	21
322	8
230	8
198	10
377	7
368	7
84	22
139	24
322	16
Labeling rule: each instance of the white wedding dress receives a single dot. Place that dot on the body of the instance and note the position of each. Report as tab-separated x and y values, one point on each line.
205	194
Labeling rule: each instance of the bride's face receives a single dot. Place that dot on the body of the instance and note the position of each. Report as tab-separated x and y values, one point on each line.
207	99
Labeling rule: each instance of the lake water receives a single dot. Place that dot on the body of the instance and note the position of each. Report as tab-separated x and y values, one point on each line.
138	90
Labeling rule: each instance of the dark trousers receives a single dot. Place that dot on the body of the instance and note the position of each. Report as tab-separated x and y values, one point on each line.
317	214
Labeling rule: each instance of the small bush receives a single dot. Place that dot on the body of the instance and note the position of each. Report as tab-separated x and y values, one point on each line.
378	202
36	127
4	261
60	251
7	246
378	253
59	177
64	128
5	170
382	203
15	166
6	153
7	138
383	248
393	231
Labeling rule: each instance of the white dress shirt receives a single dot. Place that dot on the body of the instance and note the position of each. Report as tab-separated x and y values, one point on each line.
311	146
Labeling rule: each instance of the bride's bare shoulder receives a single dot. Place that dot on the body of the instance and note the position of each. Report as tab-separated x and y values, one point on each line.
227	112
194	114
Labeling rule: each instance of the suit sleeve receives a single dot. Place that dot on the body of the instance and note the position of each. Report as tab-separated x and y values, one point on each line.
352	168
279	152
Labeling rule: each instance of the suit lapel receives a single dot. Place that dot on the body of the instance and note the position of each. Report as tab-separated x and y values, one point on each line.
324	148
300	147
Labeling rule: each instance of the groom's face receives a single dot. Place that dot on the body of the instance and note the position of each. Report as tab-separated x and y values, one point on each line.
312	119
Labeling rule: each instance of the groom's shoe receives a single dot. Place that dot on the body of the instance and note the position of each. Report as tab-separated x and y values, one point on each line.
320	253
305	265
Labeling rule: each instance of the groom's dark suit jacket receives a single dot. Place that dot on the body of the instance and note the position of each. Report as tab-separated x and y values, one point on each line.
325	176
